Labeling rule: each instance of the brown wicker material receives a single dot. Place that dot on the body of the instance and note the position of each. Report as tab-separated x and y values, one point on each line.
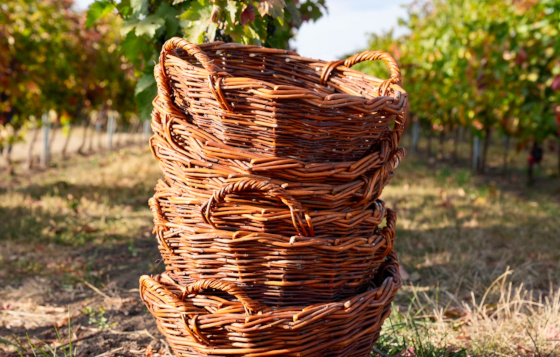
276	269
213	324
276	103
256	205
202	177
197	161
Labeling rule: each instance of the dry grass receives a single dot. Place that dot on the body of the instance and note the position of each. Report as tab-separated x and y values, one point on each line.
483	258
483	255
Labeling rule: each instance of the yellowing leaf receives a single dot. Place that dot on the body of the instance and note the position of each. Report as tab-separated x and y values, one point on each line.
274	8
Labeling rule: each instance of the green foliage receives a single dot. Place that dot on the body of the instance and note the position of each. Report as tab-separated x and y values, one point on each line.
51	61
486	65
98	318
147	24
43	348
395	342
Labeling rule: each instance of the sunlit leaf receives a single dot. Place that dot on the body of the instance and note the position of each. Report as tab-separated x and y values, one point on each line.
97	10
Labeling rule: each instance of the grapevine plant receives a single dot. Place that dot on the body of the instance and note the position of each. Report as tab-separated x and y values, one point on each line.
147	24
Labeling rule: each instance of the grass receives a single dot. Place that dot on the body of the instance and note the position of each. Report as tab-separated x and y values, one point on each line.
41	348
482	253
90	203
483	257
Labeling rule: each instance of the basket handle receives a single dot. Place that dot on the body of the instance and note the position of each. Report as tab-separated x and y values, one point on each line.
193	50
298	213
389	229
160	224
232	289
189	312
367	56
215	73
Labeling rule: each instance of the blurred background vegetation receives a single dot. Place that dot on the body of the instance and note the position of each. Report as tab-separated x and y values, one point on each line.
484	73
480	250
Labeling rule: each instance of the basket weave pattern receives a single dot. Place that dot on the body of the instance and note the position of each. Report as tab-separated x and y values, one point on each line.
277	103
268	218
199	324
275	269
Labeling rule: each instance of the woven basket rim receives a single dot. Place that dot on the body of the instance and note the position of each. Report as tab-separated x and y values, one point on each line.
173	51
256	309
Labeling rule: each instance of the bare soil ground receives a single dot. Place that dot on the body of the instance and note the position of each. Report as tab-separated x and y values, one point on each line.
481	257
75	240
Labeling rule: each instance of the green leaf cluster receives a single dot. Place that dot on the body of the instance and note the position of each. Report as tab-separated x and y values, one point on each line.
147	24
50	60
484	65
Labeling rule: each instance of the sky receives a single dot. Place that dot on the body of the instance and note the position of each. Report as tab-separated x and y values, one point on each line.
343	30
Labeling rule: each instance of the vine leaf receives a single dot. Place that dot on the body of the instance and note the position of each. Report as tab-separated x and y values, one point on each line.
139	7
274	8
98	10
147	26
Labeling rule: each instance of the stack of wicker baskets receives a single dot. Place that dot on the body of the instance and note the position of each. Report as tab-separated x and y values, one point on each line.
269	216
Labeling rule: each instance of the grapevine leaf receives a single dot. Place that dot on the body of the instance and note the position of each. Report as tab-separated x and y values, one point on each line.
248	15
125	8
195	32
232	9
315	13
197	29
139	7
135	49
147	80
211	31
193	12
169	14
147	26
274	8
98	10
144	100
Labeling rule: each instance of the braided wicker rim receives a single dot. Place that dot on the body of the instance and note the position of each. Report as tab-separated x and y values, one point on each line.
305	120
213	326
264	212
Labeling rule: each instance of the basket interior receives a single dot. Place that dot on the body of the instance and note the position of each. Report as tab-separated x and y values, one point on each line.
287	69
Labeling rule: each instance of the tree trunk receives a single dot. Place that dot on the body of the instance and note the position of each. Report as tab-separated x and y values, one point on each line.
31	147
441	147
54	128
485	150
98	135
46	152
530	177
66	141
147	130
476	153
118	139
84	135
415	135
98	127
84	138
138	136
110	129
471	157
506	155
559	156
455	153
429	145
7	151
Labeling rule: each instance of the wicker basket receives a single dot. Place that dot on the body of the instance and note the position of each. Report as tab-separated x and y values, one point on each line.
275	103
211	324
200	178
276	269
257	205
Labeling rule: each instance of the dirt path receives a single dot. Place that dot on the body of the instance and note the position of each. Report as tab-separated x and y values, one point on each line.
96	142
